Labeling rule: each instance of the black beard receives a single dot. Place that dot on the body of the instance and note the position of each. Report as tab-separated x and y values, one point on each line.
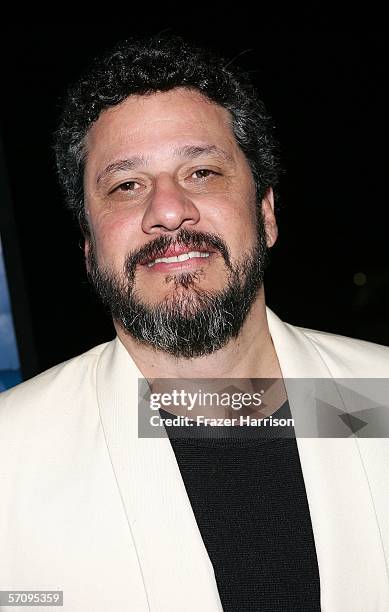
192	322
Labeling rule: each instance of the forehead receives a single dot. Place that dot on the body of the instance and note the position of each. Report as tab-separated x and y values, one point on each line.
163	118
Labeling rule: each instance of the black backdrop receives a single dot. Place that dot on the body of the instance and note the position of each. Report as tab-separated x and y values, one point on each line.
328	94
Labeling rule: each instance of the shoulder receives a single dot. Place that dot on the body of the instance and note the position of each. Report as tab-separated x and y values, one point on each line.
324	353
346	356
60	384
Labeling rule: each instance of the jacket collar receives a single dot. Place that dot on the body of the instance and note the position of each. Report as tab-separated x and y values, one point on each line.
176	569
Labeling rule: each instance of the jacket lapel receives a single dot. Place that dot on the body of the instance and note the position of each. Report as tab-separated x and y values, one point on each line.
177	572
349	547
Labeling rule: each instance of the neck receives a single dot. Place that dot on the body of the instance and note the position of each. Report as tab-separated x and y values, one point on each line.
250	355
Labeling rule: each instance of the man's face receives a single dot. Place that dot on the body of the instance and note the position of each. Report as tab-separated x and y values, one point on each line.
165	178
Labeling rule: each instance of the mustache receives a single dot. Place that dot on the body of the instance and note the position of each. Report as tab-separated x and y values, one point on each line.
184	237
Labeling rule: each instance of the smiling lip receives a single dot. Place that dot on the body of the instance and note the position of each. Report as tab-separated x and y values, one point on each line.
175	252
189	264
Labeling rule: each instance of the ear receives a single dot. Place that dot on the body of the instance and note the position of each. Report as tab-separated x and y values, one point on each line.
85	231
86	252
269	217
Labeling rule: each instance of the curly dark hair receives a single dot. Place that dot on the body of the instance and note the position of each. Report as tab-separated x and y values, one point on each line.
144	65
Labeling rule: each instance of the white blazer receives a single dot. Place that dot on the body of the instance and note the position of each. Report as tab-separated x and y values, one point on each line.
89	508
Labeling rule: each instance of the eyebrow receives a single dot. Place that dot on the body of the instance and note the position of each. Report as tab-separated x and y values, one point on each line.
189	151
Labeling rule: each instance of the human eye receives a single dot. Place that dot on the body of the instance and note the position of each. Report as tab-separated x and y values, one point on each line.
205	172
128	186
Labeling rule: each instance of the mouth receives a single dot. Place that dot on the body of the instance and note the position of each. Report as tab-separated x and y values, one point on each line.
179	259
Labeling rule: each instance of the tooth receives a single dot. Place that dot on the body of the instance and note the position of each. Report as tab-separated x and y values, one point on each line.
173	259
178	258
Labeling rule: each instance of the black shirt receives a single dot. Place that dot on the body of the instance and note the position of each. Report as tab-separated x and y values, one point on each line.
248	496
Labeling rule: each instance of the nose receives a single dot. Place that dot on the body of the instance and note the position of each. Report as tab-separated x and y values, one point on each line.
169	208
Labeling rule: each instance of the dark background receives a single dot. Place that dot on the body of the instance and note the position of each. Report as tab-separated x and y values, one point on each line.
328	94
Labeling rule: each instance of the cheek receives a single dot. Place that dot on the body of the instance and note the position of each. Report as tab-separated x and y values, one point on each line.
113	239
236	219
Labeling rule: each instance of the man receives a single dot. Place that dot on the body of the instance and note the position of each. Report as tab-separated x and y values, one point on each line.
168	161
